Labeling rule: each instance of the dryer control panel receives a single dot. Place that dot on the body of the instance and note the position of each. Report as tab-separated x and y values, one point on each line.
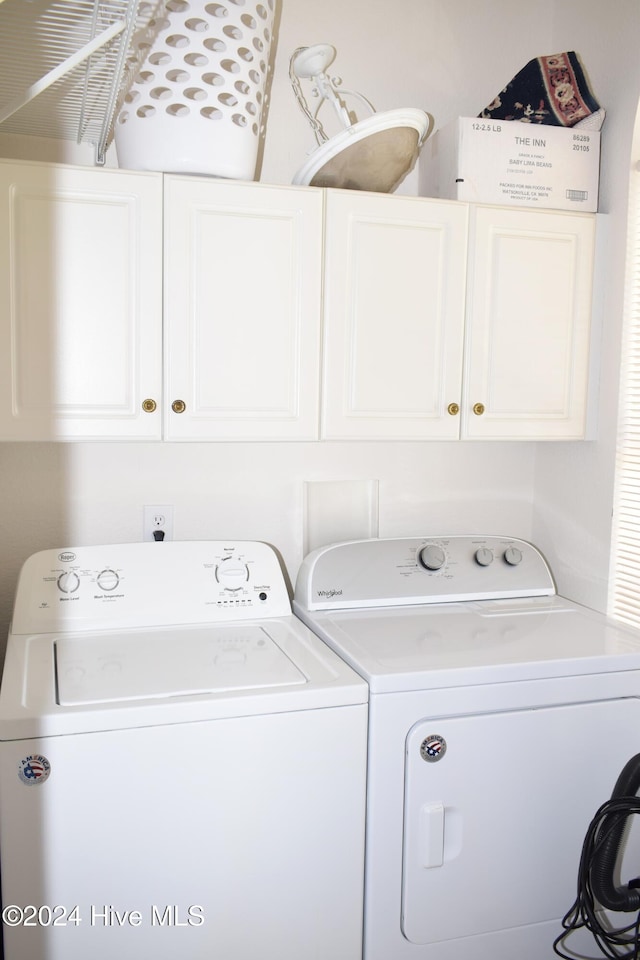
149	584
417	570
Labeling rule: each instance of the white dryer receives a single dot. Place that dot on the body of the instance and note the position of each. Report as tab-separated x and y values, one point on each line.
182	762
500	717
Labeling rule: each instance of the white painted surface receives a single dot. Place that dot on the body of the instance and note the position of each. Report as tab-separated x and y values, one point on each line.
93	492
573	489
243	266
81	304
337	510
394	299
528	324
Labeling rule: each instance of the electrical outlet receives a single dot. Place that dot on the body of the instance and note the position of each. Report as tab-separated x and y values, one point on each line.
156	519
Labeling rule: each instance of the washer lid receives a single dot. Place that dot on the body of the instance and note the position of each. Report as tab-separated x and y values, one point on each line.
143	665
68	683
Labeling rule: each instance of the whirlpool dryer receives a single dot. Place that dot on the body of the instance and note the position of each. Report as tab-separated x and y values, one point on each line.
182	762
500	717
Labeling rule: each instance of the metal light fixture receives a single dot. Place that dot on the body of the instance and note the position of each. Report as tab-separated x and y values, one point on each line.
371	154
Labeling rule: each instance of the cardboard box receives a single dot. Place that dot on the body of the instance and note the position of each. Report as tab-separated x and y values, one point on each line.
510	162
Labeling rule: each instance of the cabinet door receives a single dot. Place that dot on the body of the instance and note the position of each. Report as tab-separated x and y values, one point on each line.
242	310
80	303
394	316
528	322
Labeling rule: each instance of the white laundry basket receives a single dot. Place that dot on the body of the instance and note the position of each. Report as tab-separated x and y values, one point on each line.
196	102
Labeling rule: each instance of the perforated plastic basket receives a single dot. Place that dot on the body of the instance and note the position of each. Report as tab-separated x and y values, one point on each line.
196	103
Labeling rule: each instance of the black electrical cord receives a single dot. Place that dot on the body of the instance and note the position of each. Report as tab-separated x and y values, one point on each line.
609	819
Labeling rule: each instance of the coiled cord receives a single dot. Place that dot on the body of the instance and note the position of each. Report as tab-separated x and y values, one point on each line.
609	822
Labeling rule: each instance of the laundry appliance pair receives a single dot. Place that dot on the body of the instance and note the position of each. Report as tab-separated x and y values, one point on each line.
185	766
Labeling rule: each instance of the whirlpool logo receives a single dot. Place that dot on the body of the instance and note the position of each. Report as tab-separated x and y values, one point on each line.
328	594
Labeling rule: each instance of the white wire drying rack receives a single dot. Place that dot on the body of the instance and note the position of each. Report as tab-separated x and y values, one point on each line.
64	65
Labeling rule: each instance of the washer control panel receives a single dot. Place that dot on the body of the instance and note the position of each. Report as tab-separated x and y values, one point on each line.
391	572
149	584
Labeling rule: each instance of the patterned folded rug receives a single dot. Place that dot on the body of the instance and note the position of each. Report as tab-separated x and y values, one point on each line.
552	90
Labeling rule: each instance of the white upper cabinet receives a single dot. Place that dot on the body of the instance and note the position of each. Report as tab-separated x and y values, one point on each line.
81	289
406	294
80	302
528	324
142	306
394	316
242	310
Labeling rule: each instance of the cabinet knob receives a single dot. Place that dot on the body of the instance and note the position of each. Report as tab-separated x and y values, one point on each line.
178	406
478	409
453	409
149	406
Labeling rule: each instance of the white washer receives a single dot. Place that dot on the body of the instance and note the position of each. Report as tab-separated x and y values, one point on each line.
182	762
500	717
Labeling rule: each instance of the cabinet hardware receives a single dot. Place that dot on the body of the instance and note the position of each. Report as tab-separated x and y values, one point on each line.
453	409
178	406
478	409
149	406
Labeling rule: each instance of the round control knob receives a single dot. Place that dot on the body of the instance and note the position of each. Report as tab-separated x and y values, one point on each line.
484	556
232	574
68	582
513	556
108	579
432	557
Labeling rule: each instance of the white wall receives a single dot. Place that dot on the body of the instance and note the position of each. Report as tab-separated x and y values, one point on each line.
73	494
448	58
574	483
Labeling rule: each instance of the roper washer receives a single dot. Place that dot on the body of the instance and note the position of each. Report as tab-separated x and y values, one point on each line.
182	762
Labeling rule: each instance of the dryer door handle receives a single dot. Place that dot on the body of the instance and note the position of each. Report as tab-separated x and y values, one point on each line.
432	834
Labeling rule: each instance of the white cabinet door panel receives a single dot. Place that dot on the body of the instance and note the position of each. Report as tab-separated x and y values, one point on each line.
80	279
421	327
394	316
528	323
242	315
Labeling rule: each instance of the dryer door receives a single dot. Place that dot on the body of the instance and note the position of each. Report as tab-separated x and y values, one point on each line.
496	810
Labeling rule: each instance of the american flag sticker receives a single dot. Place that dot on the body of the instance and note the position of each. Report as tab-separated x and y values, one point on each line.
34	769
433	748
